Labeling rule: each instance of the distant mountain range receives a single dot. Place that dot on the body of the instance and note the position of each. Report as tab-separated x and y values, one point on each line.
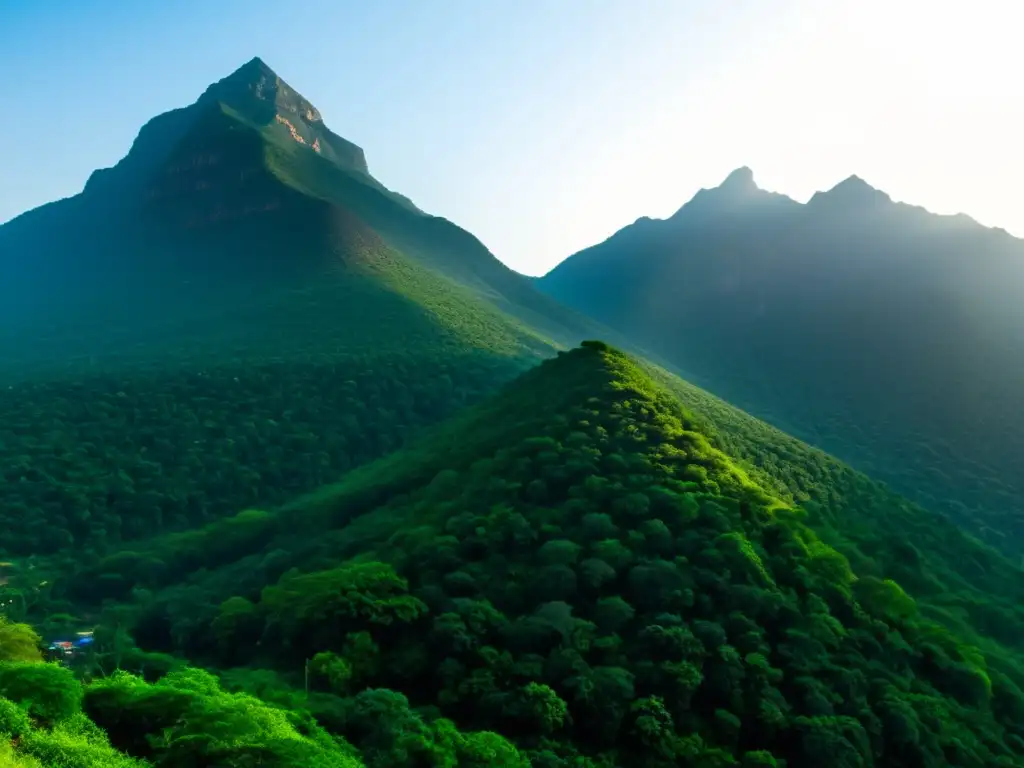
241	207
888	335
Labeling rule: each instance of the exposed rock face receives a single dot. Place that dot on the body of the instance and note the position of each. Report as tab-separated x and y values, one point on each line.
291	128
256	92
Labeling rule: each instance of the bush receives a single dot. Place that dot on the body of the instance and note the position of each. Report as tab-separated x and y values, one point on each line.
49	691
14	720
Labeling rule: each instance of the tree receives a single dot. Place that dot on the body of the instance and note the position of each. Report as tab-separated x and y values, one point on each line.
317	609
540	707
236	619
18	642
49	692
332	668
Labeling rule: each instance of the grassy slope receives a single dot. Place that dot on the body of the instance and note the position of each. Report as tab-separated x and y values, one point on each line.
383	509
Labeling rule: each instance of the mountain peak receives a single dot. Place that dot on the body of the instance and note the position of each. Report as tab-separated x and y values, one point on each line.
253	94
742	179
254	86
253	71
251	74
736	193
854	184
852	191
255	65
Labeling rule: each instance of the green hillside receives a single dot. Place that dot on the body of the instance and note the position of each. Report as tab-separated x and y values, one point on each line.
235	313
602	564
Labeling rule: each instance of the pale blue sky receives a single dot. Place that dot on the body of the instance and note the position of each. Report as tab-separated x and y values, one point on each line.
542	126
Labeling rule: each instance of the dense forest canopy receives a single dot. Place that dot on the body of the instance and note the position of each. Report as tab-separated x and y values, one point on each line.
89	463
598	566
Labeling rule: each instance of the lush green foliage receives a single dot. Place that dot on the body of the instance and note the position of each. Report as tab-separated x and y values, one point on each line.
18	642
41	719
48	692
885	335
74	743
91	462
49	719
195	723
575	565
881	533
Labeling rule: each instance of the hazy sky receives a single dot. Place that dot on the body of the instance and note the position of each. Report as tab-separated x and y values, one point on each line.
542	126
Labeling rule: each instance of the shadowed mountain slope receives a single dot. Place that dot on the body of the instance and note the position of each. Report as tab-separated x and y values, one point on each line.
889	336
237	204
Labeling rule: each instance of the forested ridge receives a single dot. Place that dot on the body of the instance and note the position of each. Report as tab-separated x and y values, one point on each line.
93	461
598	566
